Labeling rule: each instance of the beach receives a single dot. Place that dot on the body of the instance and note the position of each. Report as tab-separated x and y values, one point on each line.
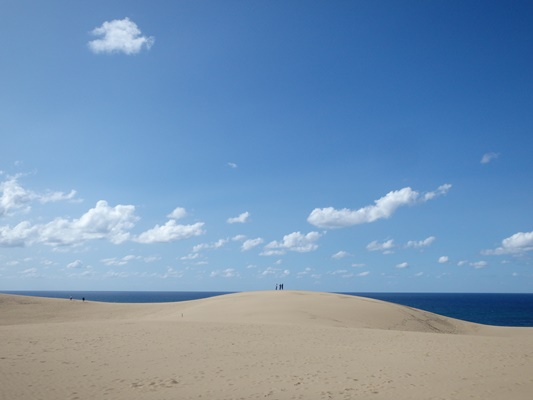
255	345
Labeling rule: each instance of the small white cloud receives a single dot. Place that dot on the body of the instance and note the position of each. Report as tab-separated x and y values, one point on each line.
518	243
251	243
479	264
120	261
402	265
225	273
30	273
296	241
191	256
119	36
170	232
488	157
232	165
385	247
364	273
382	208
462	263
241	219
276	272
75	264
443	259
421	243
238	238
358	265
215	245
178	213
340	254
419	274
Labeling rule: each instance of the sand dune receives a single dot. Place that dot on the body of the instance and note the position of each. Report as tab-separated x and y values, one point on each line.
272	344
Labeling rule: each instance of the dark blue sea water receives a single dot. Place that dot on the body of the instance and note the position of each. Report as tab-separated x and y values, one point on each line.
503	309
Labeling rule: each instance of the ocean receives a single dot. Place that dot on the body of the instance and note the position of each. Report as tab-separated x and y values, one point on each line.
501	309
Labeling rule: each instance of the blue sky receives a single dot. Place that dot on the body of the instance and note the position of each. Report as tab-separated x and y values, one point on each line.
354	146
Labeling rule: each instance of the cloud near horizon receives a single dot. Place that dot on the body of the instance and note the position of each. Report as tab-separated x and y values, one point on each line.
382	208
119	36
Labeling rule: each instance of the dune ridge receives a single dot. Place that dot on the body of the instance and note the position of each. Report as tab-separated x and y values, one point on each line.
251	345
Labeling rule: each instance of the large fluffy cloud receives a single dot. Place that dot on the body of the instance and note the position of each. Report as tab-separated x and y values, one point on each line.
520	242
100	222
119	36
384	207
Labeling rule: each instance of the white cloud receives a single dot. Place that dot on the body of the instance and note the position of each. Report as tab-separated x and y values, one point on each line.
306	271
242	218
119	36
402	265
462	263
296	241
14	197
421	243
225	273
443	259
20	235
120	261
238	238
216	245
364	273
100	222
172	273
75	264
178	213
385	246
488	157
170	232
359	265
518	243
251	243
340	254
479	264
277	272
383	208
232	165
30	273
191	256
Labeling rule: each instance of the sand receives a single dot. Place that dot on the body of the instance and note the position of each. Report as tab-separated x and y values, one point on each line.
255	345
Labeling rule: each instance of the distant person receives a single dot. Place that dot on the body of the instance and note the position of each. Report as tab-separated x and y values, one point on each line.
70	298
281	286
83	299
276	286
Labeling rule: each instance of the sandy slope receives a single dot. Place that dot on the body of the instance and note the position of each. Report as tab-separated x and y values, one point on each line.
272	344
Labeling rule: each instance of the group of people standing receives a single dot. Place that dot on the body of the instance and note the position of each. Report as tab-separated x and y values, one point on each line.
279	286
